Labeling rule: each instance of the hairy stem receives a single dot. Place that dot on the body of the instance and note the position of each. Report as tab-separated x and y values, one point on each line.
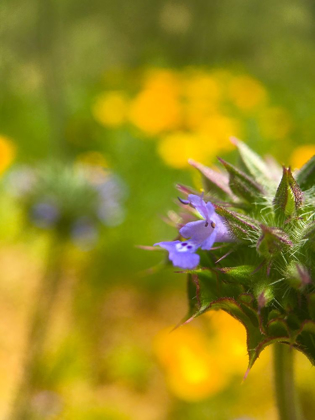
286	396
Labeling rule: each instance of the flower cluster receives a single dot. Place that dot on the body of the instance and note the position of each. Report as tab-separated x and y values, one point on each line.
72	200
192	112
263	275
202	234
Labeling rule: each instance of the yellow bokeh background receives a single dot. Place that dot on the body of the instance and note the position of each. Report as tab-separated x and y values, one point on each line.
193	113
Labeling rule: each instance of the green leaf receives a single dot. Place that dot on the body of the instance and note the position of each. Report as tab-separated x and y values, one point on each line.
253	164
242	274
305	341
201	294
265	343
243	185
204	288
309	234
214	182
272	242
241	227
289	196
246	298
311	305
306	175
278	328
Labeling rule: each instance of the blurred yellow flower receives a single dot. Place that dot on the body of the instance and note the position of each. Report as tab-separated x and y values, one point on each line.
156	108
218	129
176	148
201	86
7	153
247	93
198	365
229	343
92	158
202	145
189	363
94	166
301	155
201	95
162	79
110	109
192	113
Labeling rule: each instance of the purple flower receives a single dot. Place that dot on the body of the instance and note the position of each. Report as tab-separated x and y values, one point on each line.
202	234
208	231
182	254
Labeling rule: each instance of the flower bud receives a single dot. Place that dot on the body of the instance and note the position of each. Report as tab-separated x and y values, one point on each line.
264	296
272	242
298	276
289	196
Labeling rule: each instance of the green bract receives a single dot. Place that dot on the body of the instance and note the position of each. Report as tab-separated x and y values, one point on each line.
265	278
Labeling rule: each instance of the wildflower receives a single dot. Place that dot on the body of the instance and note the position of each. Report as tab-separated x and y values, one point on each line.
266	279
182	254
73	201
205	232
202	234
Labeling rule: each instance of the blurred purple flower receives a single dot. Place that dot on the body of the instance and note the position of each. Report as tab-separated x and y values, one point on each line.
84	233
21	181
110	213
111	192
44	214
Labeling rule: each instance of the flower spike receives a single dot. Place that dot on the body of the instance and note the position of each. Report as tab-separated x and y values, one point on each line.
263	275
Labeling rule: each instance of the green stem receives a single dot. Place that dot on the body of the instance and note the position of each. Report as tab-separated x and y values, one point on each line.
286	396
51	46
31	382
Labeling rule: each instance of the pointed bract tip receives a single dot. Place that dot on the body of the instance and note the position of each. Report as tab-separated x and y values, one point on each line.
246	374
224	163
234	140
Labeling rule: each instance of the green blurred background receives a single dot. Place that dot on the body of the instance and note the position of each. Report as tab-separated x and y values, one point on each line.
138	87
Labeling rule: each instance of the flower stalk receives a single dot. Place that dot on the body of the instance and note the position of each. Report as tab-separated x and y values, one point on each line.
286	396
31	381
